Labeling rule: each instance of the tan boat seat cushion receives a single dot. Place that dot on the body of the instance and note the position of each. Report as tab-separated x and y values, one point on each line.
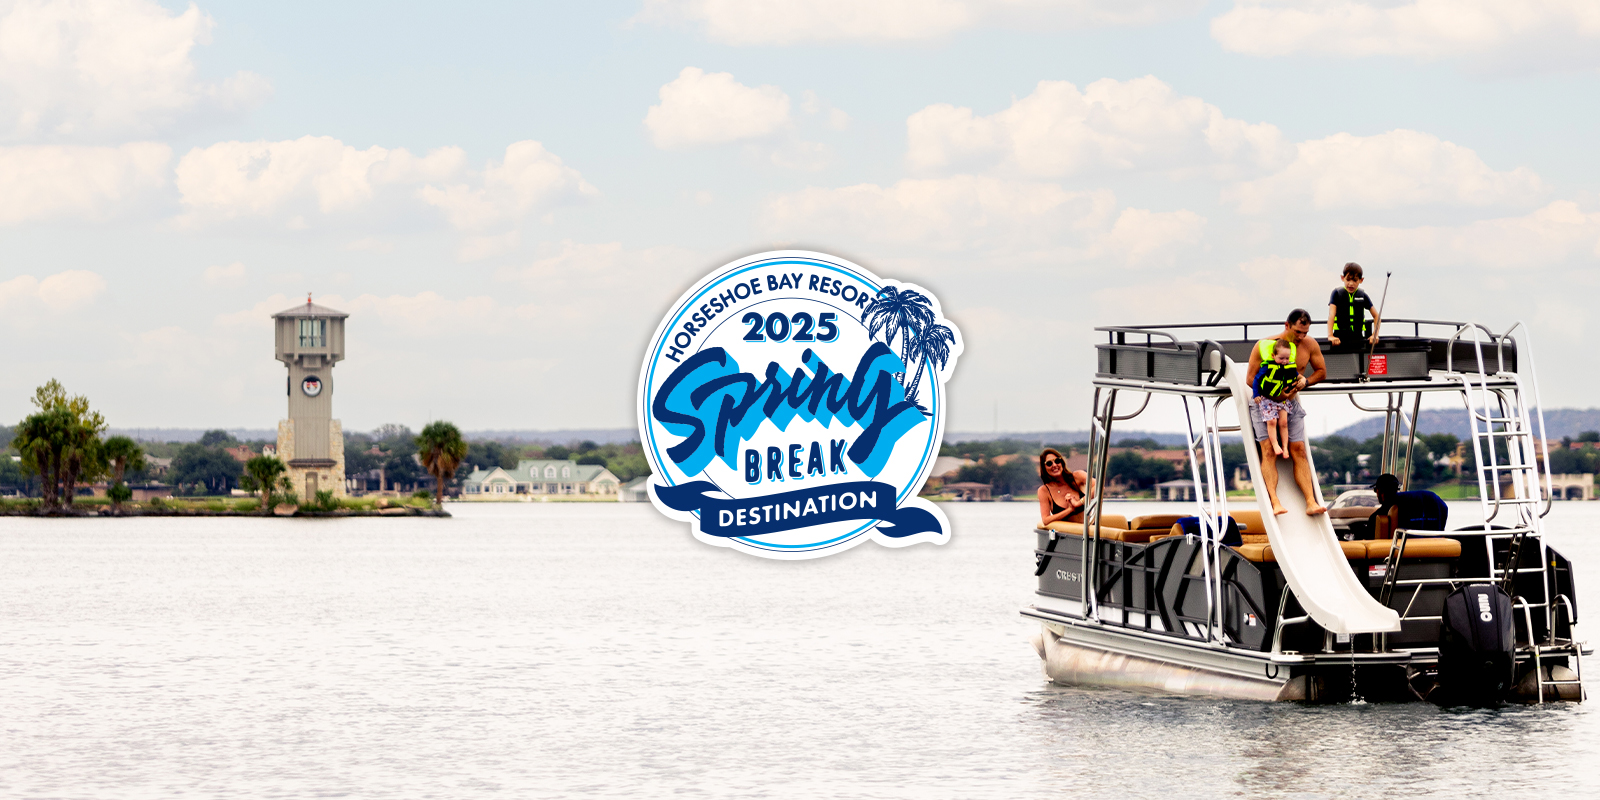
1154	521
1106	521
1248	521
1112	526
1416	547
1355	551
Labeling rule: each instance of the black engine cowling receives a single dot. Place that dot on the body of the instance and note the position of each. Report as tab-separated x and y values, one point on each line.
1477	651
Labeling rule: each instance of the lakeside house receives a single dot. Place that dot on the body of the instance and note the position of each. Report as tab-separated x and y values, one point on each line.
539	478
635	491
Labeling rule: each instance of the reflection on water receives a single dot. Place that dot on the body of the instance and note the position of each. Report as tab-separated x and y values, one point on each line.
564	650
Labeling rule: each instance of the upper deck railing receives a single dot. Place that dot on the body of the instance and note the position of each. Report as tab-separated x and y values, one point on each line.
1184	354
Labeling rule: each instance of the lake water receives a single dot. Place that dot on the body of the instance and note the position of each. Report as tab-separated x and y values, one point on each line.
526	651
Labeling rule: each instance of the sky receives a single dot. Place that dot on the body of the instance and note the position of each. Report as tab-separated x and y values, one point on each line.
507	197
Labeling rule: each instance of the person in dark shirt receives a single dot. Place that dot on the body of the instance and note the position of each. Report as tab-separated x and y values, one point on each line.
1347	308
1414	511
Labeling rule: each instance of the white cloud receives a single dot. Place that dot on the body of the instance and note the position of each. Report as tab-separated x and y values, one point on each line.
978	213
1140	236
221	274
529	179
1549	32
103	70
48	181
601	270
1390	170
755	22
301	176
300	180
700	108
1559	233
477	248
1058	130
1292	279
63	291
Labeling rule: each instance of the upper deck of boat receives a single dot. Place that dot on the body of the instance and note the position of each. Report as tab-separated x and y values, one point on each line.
1411	355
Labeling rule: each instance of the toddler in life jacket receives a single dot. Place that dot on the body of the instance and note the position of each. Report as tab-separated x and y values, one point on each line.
1271	383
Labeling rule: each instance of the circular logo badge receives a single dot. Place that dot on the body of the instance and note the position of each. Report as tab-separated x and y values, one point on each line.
312	386
791	404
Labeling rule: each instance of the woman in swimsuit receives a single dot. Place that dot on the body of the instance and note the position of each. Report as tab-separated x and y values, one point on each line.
1061	495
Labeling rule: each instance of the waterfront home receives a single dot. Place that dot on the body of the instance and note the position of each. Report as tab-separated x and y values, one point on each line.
539	477
635	491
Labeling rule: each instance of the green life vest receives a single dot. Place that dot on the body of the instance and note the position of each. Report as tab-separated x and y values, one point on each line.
1279	376
1347	316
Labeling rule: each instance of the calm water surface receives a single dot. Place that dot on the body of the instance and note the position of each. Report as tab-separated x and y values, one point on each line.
598	651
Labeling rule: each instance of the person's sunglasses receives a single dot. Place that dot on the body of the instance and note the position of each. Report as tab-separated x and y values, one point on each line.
1053	463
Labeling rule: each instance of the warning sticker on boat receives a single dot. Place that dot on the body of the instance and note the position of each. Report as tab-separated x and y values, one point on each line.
791	405
1378	365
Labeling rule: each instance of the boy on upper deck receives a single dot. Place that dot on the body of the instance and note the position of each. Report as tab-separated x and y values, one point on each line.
1347	329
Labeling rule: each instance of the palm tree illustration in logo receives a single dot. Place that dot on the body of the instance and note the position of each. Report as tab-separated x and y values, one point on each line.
908	315
932	345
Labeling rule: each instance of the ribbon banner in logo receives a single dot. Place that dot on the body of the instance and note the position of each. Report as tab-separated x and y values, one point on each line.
839	502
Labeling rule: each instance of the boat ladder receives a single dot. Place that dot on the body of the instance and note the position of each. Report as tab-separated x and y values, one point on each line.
1510	466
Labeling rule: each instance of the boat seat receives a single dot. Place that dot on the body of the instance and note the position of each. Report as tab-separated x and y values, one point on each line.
1247	538
1416	547
1147	522
1371	550
1112	526
1354	551
1249	521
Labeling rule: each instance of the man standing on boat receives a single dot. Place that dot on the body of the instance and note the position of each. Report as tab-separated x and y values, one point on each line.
1304	352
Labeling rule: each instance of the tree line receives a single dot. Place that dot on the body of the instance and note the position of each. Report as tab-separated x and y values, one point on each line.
62	449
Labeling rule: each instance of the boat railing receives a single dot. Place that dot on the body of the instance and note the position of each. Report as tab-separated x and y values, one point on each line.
1183	353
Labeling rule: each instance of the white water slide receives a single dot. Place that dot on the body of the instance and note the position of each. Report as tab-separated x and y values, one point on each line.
1305	547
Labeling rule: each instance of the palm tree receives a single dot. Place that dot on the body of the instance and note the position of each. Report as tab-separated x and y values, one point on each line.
39	438
61	442
263	472
440	448
121	454
898	313
932	345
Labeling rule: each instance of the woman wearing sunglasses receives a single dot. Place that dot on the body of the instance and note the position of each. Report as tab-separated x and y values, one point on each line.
1061	495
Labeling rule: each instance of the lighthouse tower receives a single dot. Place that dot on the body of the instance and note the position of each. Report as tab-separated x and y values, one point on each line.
310	340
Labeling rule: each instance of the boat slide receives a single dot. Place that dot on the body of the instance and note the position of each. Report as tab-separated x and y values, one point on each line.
1304	546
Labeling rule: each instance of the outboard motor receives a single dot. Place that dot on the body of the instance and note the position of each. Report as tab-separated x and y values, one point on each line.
1477	651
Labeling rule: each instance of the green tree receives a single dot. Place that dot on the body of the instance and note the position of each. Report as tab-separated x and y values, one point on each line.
359	459
286	492
627	466
207	469
1138	471
556	452
61	443
441	448
217	438
1139	444
122	454
263	472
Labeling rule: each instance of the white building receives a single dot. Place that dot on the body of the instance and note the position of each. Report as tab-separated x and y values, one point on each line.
539	477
